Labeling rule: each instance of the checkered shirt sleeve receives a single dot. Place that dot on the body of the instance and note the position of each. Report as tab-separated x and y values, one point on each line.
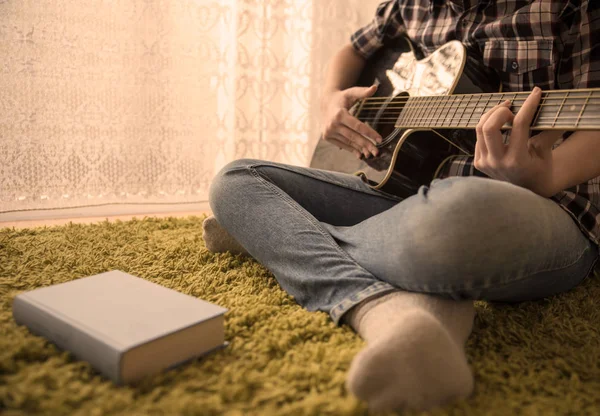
550	44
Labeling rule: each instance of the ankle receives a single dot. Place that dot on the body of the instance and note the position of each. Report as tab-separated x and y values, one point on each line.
371	317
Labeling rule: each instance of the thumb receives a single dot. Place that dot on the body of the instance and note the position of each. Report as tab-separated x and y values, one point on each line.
356	93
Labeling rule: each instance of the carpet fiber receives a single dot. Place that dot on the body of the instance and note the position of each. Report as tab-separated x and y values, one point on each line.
533	358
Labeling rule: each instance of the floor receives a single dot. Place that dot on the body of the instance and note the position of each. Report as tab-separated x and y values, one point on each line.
98	213
89	220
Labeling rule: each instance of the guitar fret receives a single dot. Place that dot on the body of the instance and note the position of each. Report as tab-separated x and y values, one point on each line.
455	108
569	110
464	118
516	107
421	104
497	99
438	110
476	115
485	109
540	109
593	107
587	100
445	110
431	113
462	107
427	117
411	109
425	112
572	110
456	119
473	111
423	117
466	107
448	118
562	104
414	110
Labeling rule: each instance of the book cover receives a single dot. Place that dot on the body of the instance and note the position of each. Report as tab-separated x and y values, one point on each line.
124	326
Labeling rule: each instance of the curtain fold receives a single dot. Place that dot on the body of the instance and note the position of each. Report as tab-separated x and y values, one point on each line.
140	101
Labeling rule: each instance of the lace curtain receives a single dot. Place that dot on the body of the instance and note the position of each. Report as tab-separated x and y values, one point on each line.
143	101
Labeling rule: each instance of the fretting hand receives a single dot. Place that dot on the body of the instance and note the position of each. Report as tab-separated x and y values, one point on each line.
344	130
524	161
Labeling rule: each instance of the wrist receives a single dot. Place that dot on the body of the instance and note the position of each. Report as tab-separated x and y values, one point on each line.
327	96
546	192
547	188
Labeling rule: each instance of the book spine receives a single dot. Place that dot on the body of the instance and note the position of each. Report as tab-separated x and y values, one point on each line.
67	336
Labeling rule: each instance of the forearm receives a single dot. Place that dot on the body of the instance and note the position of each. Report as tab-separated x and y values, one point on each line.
576	160
338	95
344	69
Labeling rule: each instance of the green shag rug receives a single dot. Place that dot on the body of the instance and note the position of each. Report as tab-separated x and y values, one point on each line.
537	358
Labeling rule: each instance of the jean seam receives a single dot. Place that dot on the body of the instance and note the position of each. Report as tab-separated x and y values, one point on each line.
451	289
373	192
336	316
288	200
587	273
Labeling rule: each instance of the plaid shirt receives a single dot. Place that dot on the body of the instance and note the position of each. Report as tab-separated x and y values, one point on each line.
527	43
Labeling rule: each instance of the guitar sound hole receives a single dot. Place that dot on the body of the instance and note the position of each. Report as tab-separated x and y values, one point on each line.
388	116
385	127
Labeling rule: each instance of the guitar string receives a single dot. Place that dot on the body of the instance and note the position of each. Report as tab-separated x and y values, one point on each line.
550	94
564	108
555	94
472	126
396	116
444	111
456	98
541	119
464	118
408	119
470	123
452	104
440	109
470	98
449	105
461	119
425	123
479	112
449	102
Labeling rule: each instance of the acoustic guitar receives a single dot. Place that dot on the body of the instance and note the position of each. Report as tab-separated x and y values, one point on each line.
426	111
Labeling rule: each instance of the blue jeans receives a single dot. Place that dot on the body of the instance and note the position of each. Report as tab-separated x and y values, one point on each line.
332	241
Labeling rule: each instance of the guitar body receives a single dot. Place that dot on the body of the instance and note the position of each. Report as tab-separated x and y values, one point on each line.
407	158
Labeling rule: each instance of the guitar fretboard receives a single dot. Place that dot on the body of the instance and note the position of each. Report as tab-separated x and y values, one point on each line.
561	110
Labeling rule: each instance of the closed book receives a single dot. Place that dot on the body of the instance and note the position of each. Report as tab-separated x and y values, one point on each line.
124	326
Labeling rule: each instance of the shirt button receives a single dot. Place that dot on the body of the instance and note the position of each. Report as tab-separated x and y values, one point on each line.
515	65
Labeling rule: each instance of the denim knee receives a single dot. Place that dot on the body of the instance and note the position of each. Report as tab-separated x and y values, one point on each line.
227	184
462	225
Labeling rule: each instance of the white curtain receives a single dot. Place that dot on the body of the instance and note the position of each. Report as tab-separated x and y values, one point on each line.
143	101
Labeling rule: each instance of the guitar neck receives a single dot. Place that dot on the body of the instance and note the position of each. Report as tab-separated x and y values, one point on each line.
558	110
